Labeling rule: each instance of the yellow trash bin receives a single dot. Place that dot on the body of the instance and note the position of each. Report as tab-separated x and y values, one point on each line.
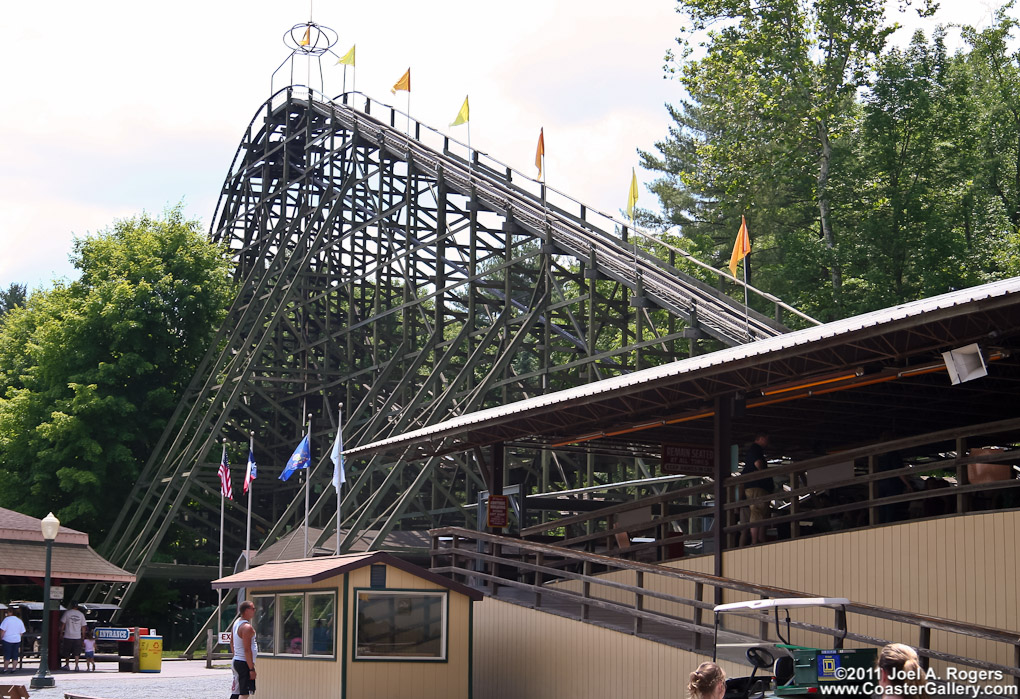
150	653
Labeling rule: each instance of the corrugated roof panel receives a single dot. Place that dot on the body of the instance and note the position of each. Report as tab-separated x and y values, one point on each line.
691	365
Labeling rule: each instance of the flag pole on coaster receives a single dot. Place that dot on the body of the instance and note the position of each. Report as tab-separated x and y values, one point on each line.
540	161
464	117
339	475
249	485
308	472
226	492
741	249
348	60
299	462
405	84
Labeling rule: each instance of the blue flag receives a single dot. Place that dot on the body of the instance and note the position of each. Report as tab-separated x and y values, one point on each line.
299	459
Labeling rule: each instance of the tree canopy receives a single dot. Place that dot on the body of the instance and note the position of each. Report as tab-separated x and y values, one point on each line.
91	370
869	174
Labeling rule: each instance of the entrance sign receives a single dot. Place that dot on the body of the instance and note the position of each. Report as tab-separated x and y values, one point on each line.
688	460
498	512
113	634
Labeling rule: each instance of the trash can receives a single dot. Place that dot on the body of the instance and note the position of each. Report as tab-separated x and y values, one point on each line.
150	653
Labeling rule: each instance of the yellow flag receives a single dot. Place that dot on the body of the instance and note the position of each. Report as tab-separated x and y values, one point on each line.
632	197
348	58
403	84
464	115
540	151
741	246
307	38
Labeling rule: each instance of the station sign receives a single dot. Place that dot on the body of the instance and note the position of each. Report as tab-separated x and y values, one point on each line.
112	633
687	460
56	592
498	511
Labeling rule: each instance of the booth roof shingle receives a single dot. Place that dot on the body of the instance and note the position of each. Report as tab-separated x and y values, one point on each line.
310	570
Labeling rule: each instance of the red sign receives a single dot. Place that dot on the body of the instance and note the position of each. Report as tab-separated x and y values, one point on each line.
688	460
498	513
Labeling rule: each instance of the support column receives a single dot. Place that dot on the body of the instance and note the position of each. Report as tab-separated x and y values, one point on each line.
721	442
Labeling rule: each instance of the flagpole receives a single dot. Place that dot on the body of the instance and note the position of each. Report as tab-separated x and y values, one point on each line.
747	323
308	472
345	79
251	486
339	431
219	593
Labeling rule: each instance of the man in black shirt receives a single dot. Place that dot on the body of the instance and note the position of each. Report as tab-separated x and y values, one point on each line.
754	460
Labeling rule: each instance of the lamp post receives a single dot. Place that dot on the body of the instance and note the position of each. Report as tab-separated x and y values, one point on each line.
50	526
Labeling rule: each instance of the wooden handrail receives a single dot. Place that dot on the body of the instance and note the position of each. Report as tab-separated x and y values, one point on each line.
502	547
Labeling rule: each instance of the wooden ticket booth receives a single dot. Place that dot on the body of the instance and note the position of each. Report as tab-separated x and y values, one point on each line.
359	625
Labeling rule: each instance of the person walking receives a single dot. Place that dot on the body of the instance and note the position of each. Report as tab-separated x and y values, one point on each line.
72	632
245	649
11	630
754	461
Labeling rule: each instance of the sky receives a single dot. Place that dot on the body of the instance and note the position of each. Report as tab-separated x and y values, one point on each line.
112	108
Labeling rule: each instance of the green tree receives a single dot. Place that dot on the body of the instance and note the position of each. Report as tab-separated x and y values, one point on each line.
90	371
13	297
909	233
764	132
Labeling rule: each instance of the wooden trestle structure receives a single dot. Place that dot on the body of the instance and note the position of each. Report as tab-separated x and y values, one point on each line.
383	266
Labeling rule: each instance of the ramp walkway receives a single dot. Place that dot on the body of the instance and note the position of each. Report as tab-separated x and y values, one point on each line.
669	605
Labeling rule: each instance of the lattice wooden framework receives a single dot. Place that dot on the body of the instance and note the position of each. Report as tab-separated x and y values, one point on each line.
382	266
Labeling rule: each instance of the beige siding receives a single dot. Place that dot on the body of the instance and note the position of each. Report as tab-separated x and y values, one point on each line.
323	679
961	568
413	680
521	652
287	677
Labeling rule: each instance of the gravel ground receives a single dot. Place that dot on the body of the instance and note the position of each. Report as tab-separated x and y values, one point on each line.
179	679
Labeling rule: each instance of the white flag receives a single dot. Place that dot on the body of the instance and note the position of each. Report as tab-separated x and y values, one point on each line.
337	457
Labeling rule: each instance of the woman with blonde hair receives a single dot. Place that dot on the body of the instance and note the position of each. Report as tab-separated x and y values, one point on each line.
707	682
899	667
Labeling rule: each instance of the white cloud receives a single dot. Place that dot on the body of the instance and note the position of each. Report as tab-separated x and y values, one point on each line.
113	107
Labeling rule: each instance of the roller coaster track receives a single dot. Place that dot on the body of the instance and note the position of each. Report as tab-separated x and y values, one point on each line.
410	279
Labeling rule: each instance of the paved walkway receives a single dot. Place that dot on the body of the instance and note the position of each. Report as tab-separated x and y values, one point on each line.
181	679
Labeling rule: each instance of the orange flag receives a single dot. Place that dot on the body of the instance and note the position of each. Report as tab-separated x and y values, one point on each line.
741	247
403	84
540	151
307	38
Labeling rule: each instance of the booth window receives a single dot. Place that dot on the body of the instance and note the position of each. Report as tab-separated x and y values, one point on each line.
401	625
292	616
264	622
296	624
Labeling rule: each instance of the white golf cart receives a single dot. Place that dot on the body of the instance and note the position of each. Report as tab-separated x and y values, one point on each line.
788	669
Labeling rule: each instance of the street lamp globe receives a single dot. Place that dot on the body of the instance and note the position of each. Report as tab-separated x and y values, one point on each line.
50	526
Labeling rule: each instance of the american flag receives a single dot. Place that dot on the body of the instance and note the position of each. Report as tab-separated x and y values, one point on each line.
225	488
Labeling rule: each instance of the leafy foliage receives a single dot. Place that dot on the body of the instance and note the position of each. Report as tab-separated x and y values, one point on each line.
869	176
90	371
13	297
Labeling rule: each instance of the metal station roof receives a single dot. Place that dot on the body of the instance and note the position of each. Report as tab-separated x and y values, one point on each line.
901	345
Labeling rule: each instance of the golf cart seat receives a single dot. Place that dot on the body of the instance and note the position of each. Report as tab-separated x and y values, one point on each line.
742	687
783	670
